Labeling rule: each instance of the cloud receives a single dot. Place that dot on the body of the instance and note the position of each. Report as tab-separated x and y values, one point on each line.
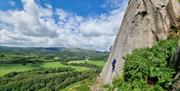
114	4
37	26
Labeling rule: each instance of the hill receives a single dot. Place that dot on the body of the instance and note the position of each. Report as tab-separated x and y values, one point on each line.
48	54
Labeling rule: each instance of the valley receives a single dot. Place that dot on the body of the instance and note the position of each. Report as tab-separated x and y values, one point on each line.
47	71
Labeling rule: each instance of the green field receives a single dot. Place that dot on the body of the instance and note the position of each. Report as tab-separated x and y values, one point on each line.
98	63
80	86
7	68
58	64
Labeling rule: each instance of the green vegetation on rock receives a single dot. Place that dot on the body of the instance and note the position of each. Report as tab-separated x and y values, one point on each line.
148	69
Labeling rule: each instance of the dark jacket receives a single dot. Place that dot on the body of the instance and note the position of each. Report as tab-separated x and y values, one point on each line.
114	62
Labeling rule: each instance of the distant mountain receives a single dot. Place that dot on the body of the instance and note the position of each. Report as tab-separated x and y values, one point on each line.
62	52
31	49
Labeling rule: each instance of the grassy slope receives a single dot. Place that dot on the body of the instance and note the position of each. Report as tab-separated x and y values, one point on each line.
7	68
79	86
57	64
85	84
98	63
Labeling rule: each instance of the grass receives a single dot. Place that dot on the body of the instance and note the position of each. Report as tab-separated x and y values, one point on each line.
58	64
7	68
51	65
83	85
79	86
98	63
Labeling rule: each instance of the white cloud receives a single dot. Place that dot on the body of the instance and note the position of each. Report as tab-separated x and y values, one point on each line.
36	26
113	4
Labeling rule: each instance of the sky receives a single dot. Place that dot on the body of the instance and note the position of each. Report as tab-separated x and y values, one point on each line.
89	24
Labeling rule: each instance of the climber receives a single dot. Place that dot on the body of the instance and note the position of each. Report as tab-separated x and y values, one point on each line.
113	64
110	48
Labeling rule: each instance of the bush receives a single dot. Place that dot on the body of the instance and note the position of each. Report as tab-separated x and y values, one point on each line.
148	69
11	74
42	79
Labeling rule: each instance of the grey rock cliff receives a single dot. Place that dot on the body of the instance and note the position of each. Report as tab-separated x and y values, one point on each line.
175	62
145	22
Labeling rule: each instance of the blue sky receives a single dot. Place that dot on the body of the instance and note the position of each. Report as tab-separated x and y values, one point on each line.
10	4
60	23
79	7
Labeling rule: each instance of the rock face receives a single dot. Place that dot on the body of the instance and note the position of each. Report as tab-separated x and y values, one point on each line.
175	62
145	22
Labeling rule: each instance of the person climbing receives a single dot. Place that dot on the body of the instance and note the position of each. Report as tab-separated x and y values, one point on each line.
113	64
110	48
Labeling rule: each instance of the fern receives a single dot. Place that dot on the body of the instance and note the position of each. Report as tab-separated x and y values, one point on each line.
147	69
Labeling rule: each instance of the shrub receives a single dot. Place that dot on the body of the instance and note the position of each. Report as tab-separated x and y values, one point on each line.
148	69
